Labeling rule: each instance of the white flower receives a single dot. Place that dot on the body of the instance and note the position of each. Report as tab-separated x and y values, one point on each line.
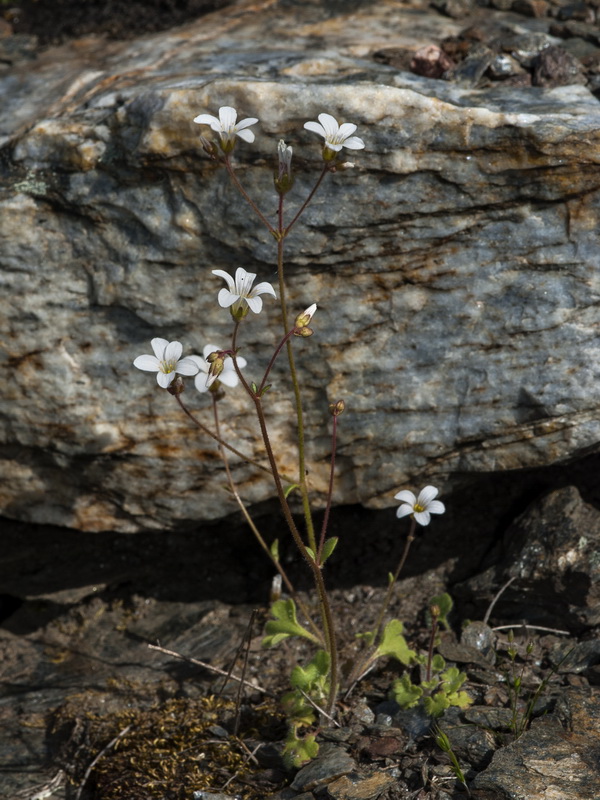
166	362
239	295
336	136
421	507
228	376
227	128
302	320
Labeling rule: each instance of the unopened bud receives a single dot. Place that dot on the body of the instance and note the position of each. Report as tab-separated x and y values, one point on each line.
302	320
435	611
284	180
210	148
304	332
335	409
217	362
176	387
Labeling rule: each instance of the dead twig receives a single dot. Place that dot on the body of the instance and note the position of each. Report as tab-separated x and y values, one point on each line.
218	671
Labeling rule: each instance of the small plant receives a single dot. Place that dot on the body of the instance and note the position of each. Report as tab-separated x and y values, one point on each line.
443	742
315	686
440	685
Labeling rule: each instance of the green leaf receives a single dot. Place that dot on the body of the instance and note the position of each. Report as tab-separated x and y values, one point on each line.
285	624
289	489
254	387
328	548
438	663
452	679
390	578
311	553
394	644
316	669
265	389
299	750
405	693
436	705
460	699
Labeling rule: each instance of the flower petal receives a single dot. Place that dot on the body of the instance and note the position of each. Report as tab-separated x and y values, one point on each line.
263	288
436	507
226	298
354	143
173	352
255	304
247	136
159	346
243	281
200	362
227	117
240	361
201	382
330	125
245	123
220	273
426	495
165	379
207	119
208	349
346	130
147	363
186	366
229	378
316	128
404	510
422	517
406	497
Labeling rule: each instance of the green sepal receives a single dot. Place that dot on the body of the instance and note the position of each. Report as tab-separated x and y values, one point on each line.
406	694
394	644
328	548
285	624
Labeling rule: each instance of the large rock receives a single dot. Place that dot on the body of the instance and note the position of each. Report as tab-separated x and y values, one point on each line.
456	268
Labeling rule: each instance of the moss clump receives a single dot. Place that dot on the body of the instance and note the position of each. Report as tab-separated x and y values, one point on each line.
169	751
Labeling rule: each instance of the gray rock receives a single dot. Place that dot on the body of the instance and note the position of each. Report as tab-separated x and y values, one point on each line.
551	552
549	761
331	763
455	268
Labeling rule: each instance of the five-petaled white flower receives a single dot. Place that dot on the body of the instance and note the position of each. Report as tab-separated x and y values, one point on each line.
227	128
239	295
166	362
421	507
336	136
203	381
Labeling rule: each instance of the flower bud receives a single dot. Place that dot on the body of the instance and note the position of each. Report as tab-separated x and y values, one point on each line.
335	409
302	320
176	387
210	148
304	332
284	180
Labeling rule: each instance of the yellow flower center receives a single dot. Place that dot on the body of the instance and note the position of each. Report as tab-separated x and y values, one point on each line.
418	509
